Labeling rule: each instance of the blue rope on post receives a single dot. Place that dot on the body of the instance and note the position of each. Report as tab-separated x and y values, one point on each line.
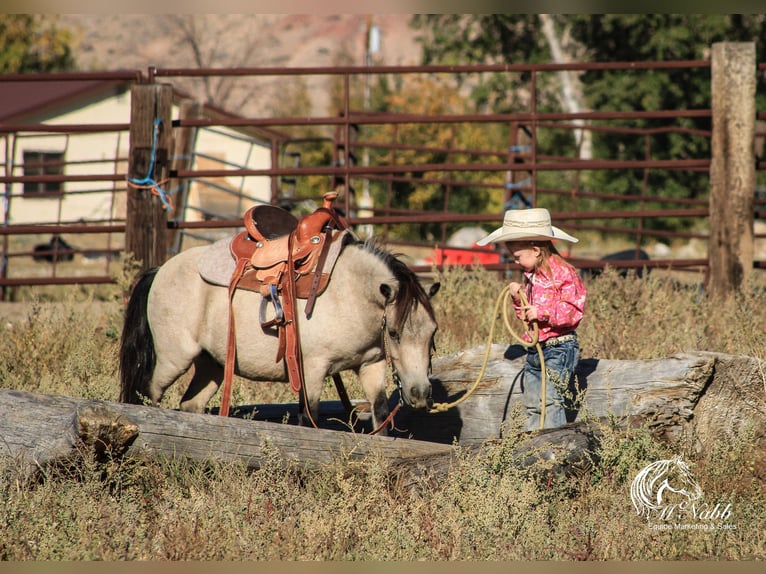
148	181
519	148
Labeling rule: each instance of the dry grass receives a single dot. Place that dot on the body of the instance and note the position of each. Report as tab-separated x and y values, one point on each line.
484	509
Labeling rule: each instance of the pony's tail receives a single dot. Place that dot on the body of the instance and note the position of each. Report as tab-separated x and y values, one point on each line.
137	357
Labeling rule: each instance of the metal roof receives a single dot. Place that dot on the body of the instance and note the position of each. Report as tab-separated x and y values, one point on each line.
34	100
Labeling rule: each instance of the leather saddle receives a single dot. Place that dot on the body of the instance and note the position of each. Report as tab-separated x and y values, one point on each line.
283	258
272	236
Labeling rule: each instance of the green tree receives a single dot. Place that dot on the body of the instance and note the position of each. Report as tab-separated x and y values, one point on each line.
452	39
31	43
500	38
662	37
503	39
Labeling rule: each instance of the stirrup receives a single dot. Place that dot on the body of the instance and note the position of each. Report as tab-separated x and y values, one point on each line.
279	313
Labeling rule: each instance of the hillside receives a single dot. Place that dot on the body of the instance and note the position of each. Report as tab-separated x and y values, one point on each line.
108	42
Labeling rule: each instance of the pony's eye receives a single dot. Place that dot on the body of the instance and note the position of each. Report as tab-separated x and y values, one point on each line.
394	336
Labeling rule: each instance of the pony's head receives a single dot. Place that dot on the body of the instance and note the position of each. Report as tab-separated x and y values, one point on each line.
409	328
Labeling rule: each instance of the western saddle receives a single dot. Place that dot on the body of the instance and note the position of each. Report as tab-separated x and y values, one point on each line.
283	258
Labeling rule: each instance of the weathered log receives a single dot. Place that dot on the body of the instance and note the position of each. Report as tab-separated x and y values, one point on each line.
703	394
41	429
734	403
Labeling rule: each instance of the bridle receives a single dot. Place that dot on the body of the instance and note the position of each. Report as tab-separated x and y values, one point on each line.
385	345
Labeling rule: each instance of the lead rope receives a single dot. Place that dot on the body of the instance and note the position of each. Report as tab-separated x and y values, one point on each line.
532	332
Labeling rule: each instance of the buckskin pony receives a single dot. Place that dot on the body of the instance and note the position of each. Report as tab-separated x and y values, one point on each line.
369	312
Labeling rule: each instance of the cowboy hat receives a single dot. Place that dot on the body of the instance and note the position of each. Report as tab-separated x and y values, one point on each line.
526	224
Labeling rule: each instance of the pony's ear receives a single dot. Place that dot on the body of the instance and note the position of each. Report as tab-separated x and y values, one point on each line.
434	289
388	292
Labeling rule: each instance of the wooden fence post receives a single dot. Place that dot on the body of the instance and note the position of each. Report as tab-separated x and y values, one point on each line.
732	166
146	218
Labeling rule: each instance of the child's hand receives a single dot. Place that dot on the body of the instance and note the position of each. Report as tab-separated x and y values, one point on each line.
514	288
530	312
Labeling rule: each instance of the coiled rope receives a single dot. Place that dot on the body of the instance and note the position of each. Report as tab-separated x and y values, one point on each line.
533	332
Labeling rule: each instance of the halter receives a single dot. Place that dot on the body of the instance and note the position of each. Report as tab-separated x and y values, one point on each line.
387	354
394	373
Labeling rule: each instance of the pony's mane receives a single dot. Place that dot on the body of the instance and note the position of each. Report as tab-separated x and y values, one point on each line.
410	293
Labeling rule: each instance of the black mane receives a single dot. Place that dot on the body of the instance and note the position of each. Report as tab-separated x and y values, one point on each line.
410	293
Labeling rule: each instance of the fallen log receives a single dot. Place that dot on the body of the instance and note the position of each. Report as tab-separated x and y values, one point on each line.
39	430
708	396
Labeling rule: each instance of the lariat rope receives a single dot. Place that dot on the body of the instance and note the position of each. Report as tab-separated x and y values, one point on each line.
532	332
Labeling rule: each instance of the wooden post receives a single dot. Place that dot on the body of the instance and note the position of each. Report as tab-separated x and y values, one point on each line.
732	166
146	218
183	149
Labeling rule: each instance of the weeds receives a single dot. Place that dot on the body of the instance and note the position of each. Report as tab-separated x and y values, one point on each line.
488	507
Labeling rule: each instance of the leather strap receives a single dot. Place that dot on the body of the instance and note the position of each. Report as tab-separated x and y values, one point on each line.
293	356
231	342
338	223
311	299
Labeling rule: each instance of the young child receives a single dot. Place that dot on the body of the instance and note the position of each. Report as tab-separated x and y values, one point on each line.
555	299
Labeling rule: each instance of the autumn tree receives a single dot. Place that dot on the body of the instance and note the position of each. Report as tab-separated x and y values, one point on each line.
31	43
539	38
416	144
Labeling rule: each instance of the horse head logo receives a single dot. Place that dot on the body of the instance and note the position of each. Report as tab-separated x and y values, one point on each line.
652	486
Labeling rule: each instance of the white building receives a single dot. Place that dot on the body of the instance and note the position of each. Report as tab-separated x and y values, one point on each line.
101	155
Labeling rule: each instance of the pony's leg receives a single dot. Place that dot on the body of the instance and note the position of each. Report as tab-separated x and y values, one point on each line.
208	375
166	372
373	379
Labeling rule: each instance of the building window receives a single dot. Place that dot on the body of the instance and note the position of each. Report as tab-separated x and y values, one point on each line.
43	163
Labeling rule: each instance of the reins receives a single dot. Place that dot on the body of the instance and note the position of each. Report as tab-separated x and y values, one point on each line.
534	334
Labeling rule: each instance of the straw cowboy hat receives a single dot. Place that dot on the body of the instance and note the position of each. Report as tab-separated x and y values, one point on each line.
526	224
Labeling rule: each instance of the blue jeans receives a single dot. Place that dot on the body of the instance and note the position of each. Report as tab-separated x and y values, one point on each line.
560	364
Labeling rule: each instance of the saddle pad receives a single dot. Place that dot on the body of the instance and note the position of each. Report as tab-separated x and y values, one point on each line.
216	265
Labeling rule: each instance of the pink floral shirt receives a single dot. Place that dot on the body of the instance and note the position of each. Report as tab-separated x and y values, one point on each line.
560	298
